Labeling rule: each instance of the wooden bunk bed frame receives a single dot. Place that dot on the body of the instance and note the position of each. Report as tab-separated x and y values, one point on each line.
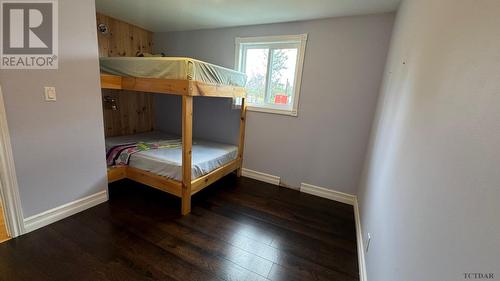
187	89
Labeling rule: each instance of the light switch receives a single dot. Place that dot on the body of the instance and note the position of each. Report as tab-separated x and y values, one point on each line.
50	94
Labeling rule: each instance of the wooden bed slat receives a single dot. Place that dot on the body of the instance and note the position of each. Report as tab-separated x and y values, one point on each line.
170	86
162	183
198	88
111	81
116	173
206	180
154	85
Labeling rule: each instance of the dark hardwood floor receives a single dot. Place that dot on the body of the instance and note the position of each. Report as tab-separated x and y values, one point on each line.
239	229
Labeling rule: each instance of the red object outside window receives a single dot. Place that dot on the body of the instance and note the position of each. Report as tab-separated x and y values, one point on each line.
281	99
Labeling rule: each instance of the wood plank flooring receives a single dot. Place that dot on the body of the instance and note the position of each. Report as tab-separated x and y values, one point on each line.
239	229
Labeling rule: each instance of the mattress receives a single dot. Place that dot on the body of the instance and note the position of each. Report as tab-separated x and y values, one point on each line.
172	68
206	156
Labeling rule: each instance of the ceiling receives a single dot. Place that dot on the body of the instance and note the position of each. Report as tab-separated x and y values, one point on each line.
179	15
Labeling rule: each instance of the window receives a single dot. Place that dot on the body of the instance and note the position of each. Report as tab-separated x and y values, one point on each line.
273	66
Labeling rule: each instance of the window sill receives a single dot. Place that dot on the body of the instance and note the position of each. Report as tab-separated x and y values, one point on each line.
287	112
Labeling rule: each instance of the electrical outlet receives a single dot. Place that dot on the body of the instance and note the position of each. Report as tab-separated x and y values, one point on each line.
368	240
50	93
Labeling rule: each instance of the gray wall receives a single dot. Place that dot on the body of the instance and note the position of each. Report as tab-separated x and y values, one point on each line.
326	144
58	147
431	186
213	118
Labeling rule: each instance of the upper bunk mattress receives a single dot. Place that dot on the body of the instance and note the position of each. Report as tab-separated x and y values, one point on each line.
206	156
172	68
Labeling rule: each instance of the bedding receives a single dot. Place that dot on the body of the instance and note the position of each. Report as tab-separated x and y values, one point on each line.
172	68
167	161
120	154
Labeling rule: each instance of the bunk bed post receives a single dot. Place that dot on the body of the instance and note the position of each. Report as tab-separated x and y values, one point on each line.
187	143
241	144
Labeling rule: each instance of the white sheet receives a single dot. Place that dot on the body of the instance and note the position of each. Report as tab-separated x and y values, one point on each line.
172	68
206	156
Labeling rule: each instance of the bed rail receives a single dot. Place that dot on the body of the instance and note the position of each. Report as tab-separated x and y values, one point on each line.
180	87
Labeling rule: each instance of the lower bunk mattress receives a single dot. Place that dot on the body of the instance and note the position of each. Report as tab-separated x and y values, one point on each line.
162	154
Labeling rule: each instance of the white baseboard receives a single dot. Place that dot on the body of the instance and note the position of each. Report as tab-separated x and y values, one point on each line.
328	193
260	176
50	216
361	247
347	199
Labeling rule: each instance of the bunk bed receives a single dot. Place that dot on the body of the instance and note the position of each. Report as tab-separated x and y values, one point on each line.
174	169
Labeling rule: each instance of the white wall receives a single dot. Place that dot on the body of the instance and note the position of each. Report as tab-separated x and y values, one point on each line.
58	147
326	144
431	185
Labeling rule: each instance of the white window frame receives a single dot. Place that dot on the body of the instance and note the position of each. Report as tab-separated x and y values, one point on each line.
283	41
